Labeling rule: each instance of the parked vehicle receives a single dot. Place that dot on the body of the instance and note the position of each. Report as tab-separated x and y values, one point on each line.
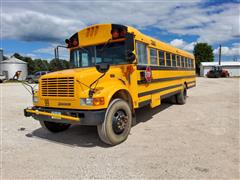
2	78
34	78
217	72
115	70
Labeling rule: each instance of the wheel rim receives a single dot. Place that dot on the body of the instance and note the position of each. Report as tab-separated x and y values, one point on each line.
119	121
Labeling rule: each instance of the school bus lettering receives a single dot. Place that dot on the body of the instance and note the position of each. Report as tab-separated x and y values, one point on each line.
115	69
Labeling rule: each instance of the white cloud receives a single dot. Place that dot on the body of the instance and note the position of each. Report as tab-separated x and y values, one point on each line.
212	24
55	21
180	43
46	50
229	51
63	53
30	25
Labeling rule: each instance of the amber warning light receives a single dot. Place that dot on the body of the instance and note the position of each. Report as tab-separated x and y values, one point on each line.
73	41
120	32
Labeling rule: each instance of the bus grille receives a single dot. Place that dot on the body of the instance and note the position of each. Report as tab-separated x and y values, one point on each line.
58	87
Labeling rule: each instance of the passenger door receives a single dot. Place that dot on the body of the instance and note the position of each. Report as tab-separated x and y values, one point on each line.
142	63
142	60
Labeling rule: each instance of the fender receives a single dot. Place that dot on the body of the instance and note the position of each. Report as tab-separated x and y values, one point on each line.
110	90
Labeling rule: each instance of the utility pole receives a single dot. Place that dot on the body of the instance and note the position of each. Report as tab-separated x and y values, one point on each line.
220	53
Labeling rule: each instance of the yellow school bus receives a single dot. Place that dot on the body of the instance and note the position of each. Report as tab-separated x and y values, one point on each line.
115	69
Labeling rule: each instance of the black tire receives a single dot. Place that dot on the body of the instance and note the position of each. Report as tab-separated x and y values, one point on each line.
54	127
182	96
117	123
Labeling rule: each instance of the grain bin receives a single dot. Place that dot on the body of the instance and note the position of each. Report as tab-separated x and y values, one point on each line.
1	55
10	66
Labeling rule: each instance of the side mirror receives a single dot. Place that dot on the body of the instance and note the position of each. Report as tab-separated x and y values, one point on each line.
131	56
102	67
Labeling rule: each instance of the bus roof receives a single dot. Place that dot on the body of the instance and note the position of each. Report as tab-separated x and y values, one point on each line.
159	44
152	42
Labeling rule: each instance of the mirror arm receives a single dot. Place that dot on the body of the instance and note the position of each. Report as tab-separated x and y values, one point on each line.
56	53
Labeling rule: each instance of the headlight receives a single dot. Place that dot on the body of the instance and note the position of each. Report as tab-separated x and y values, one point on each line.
35	99
86	101
89	101
92	101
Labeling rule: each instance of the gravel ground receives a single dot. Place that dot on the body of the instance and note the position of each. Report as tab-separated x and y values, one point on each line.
197	140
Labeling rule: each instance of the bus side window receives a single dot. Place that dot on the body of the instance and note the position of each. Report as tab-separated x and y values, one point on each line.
186	62
178	61
173	60
183	61
161	58
189	63
141	53
153	57
168	59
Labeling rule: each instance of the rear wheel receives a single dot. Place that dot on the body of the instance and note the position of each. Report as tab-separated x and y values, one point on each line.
54	127
182	96
117	123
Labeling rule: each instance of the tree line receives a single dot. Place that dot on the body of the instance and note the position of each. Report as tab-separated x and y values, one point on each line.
35	65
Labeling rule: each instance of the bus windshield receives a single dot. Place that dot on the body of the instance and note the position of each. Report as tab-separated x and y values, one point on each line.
112	53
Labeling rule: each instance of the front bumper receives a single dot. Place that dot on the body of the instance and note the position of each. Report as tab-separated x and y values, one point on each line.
93	117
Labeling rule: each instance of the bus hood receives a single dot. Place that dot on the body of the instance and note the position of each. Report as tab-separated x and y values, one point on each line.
83	78
85	75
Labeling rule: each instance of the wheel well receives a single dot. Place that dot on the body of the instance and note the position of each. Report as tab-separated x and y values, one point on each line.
124	94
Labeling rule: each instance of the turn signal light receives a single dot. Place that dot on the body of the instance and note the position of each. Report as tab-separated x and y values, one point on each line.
118	32
75	43
98	101
123	33
72	41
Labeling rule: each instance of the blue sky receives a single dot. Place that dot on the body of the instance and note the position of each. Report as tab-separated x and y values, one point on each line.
34	28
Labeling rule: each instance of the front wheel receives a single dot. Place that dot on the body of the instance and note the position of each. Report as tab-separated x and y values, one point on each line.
117	123
54	127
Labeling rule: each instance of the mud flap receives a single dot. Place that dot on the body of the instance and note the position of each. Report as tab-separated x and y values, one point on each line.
155	100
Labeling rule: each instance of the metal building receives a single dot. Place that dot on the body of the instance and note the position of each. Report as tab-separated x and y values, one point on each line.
233	67
10	66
